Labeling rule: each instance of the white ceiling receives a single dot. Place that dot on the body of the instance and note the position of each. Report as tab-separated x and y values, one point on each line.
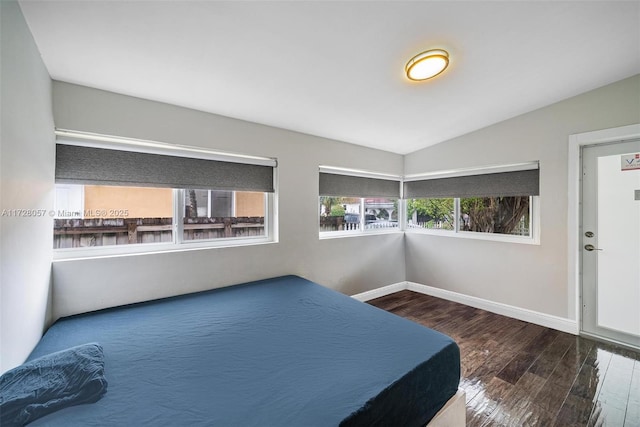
335	68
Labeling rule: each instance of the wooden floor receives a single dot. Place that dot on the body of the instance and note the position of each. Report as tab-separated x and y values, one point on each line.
519	374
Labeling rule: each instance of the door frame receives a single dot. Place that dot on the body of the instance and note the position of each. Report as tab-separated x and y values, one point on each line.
576	142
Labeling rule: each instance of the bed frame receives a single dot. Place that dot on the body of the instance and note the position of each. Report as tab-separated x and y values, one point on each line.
452	414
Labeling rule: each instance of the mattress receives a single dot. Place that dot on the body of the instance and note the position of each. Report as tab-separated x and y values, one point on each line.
277	352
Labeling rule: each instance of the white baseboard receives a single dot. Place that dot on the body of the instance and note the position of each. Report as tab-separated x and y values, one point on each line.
535	317
542	319
380	292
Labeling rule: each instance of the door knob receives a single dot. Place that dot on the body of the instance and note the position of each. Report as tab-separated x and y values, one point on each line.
591	248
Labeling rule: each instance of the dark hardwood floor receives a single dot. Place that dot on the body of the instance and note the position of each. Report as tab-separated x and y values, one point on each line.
520	374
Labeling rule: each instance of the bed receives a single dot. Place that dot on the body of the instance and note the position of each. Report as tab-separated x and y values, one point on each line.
277	352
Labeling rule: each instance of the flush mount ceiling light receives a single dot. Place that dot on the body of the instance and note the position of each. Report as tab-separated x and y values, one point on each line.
427	64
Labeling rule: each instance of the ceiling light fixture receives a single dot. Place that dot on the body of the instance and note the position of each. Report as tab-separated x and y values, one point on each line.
427	64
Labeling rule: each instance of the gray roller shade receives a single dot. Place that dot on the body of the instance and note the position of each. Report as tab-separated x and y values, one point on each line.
99	166
356	186
517	183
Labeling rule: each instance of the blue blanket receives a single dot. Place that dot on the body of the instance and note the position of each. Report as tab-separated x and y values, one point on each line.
50	383
274	353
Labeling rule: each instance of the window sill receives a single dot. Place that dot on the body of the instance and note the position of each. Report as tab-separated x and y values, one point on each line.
523	240
371	232
73	254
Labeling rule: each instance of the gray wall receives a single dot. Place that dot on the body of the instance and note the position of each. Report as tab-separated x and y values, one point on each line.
526	276
350	265
26	182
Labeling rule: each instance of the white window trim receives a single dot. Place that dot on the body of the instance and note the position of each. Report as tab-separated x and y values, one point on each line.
532	239
178	213
359	172
359	233
71	254
480	170
88	139
233	202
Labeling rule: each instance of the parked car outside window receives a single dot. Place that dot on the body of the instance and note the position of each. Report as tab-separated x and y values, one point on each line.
352	218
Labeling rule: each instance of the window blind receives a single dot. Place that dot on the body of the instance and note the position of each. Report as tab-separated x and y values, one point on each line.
515	183
357	186
100	166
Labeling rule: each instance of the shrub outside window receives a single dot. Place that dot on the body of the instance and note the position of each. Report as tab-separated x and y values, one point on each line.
339	213
431	214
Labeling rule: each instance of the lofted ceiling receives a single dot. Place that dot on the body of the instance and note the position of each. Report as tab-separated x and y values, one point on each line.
336	68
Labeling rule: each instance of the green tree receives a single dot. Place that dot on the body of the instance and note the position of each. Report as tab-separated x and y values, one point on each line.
337	210
328	202
434	210
493	214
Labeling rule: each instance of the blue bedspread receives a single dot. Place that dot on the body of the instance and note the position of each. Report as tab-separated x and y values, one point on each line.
278	352
49	383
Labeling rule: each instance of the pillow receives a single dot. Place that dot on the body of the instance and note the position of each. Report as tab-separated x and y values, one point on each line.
58	380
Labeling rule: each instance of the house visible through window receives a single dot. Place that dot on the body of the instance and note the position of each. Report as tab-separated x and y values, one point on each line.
114	198
109	215
355	203
98	215
211	214
345	213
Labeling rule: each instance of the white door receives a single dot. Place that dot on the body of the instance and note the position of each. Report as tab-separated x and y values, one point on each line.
610	241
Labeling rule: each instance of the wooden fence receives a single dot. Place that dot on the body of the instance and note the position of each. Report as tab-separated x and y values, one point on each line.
73	233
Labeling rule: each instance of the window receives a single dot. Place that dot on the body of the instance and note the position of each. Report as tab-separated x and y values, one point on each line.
498	203
381	212
69	201
497	215
345	213
112	215
431	213
352	204
211	214
129	199
339	213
